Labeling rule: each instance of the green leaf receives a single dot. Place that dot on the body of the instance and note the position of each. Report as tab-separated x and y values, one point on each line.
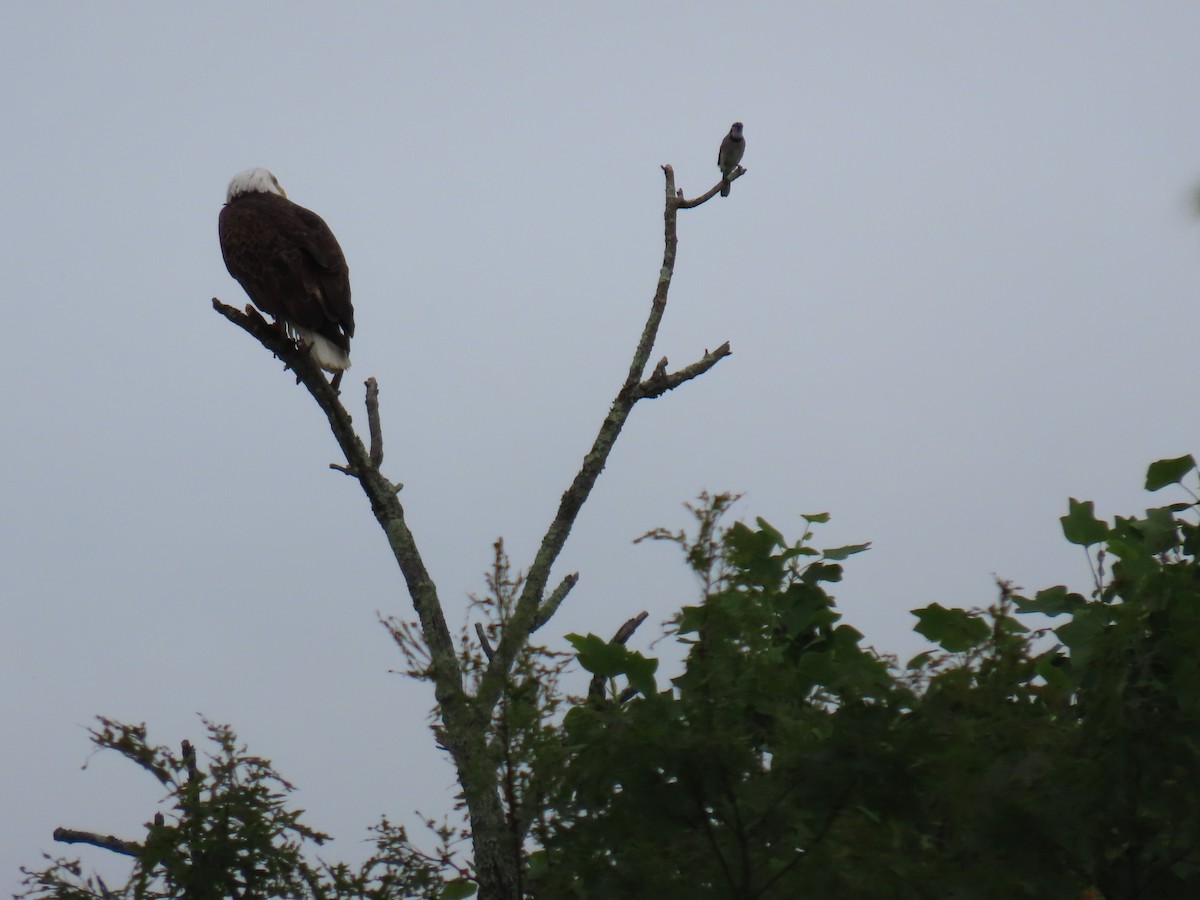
804	609
919	661
1080	525
608	660
1168	471
1083	632
752	554
537	863
691	618
459	888
1190	543
836	553
640	672
812	518
1159	530
1009	625
1055	669
1142	539
821	572
1053	601
955	630
598	656
770	531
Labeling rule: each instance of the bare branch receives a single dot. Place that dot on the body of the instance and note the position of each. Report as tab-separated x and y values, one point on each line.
708	195
625	632
660	382
105	841
300	361
659	304
530	602
381	493
483	640
373	426
463	721
551	604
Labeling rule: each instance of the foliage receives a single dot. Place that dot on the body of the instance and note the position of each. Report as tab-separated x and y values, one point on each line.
199	854
738	780
1126	675
1046	746
1009	761
228	832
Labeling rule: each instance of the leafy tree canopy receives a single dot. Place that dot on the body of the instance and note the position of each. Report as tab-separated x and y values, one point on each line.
1046	746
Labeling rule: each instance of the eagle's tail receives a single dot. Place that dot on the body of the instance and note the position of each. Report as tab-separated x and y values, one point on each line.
329	356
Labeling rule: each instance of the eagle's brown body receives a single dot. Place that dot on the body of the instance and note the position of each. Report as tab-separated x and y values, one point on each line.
292	267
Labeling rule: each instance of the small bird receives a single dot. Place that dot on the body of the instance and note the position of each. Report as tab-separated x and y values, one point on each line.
732	148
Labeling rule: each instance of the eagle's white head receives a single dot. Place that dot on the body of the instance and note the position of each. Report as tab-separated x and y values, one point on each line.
253	181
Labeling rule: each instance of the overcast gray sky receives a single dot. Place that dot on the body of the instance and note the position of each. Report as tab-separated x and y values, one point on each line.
960	282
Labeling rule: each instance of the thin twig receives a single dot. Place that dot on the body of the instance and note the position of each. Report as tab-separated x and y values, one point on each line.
373	426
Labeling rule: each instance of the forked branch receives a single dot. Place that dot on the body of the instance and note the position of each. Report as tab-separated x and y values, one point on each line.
534	607
527	614
465	718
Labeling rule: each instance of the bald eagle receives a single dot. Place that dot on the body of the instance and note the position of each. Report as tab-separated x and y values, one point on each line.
290	264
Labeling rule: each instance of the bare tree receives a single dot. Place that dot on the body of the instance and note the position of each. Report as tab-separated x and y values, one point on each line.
468	714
